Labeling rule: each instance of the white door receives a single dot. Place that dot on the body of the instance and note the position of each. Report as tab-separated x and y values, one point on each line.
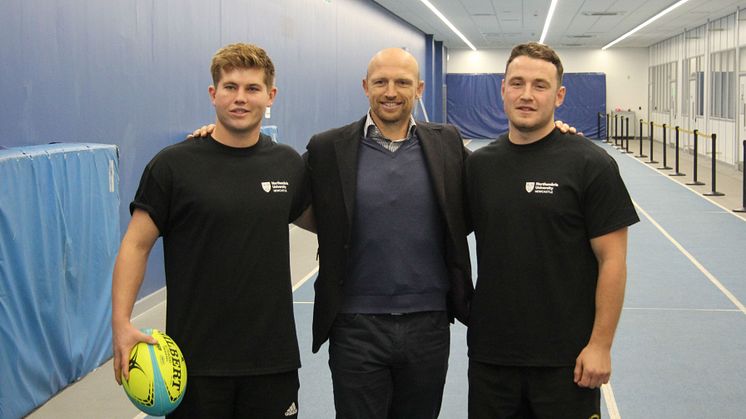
741	116
691	122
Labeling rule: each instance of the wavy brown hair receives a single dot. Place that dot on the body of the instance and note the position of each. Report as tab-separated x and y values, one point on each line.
242	56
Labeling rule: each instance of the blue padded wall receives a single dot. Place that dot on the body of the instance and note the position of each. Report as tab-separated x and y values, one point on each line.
135	72
59	223
475	106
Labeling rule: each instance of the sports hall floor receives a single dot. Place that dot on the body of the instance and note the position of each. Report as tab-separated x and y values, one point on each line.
680	349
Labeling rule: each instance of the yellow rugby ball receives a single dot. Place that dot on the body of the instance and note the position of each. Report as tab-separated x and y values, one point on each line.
158	375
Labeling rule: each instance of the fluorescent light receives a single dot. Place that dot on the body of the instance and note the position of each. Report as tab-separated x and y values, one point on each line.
546	22
646	23
447	22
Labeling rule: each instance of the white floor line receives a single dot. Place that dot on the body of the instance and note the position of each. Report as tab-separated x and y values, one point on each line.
148	310
610	401
699	194
715	310
694	261
305	278
140	415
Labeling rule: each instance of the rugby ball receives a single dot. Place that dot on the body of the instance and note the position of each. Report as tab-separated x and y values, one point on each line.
157	375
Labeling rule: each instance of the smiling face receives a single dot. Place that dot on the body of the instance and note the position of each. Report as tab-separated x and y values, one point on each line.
531	91
240	99
392	86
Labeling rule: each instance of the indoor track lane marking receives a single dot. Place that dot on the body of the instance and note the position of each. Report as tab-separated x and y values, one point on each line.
610	401
693	260
305	278
712	310
156	306
699	194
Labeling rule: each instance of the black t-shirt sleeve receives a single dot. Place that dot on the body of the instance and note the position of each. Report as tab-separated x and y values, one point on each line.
301	197
153	193
607	205
302	193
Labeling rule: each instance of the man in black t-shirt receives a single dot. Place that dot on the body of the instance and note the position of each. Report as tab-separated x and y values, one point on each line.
222	204
550	214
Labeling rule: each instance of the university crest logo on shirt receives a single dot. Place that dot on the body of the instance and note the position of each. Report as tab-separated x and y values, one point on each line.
530	186
276	186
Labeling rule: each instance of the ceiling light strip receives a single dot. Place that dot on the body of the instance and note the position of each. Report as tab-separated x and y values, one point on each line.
646	23
448	23
549	20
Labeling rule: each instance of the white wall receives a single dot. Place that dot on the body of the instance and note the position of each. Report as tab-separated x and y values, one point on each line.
626	71
720	45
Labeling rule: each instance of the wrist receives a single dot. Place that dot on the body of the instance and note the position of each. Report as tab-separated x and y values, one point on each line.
119	322
602	344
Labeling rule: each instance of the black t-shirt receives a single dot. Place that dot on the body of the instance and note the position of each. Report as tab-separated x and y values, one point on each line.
223	213
535	208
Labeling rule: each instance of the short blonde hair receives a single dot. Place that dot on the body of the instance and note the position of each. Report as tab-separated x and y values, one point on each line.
242	56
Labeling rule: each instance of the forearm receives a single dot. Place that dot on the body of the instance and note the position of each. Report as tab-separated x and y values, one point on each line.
612	278
129	271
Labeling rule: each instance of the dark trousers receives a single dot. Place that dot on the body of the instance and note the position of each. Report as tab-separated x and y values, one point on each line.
256	396
507	392
388	366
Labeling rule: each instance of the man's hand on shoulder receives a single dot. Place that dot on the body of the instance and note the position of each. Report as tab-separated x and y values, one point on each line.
566	128
204	131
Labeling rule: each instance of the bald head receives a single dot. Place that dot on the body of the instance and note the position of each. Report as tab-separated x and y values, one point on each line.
393	86
394	57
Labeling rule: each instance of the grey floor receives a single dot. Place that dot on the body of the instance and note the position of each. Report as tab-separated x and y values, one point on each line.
680	350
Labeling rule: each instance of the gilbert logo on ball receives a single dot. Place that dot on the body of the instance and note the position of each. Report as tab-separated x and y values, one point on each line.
158	375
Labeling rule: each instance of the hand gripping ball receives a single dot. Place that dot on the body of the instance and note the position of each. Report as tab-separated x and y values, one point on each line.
158	375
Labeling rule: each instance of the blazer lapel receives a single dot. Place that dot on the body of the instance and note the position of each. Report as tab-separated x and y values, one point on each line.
346	148
433	149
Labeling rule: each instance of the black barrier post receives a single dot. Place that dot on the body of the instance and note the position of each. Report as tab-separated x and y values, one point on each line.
743	183
640	155
665	146
676	156
713	190
608	132
616	124
598	125
651	161
694	168
626	138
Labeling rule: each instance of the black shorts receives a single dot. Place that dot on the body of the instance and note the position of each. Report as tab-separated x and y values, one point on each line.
502	392
256	396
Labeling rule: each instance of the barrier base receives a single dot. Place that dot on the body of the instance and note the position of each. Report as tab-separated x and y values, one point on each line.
677	174
665	168
742	209
651	162
696	183
641	156
713	194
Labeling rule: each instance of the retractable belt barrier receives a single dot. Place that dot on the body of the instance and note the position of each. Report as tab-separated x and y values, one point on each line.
676	156
621	142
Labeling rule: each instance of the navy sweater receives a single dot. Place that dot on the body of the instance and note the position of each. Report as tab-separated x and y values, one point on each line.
397	256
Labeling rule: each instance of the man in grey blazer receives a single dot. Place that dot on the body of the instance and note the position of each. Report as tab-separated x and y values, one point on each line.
394	264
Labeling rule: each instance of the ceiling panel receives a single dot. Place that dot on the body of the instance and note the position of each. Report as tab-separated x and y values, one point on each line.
576	23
